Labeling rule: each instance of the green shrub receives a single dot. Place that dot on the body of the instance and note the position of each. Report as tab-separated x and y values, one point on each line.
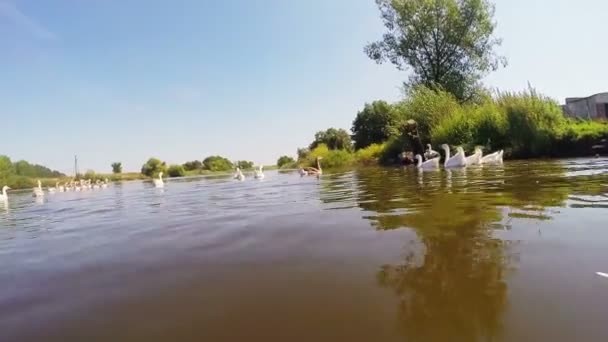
116	167
217	163
176	171
285	160
331	158
370	154
153	167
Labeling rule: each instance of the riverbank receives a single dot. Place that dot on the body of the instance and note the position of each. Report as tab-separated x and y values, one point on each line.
524	124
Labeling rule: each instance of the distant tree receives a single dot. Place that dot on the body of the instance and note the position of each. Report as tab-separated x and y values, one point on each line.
244	165
193	165
446	44
217	163
23	168
153	166
6	167
335	139
285	160
117	167
375	124
176	171
303	153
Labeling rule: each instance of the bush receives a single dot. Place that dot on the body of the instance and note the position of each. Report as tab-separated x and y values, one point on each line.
285	160
331	158
193	165
217	163
375	124
153	167
176	171
244	165
370	154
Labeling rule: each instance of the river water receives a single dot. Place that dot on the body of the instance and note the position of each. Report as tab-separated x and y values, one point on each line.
376	254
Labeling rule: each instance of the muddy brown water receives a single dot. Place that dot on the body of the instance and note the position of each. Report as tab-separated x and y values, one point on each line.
376	254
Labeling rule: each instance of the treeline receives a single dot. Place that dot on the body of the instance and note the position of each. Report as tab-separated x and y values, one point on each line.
22	174
210	164
525	124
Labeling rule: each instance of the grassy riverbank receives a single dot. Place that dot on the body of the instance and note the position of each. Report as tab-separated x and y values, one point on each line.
525	125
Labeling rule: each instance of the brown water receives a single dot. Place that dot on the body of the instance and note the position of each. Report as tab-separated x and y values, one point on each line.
492	254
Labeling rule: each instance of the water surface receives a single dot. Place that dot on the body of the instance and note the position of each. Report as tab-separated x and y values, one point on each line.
376	254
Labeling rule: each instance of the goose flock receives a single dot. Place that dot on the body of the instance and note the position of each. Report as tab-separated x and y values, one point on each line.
458	160
432	163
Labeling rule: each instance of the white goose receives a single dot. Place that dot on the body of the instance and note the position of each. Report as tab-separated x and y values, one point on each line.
104	185
52	190
159	183
493	158
303	172
430	153
239	175
37	191
259	174
475	158
3	195
458	160
60	188
431	164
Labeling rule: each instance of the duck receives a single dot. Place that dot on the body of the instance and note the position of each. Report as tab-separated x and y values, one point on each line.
315	171
475	158
458	160
259	174
3	195
37	191
493	158
430	153
159	183
430	164
239	175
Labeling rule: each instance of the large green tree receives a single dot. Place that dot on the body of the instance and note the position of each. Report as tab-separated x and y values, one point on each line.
375	124
335	139
446	44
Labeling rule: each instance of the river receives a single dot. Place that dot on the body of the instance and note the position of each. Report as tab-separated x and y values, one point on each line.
504	253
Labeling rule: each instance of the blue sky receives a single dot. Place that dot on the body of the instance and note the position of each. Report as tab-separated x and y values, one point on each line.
181	80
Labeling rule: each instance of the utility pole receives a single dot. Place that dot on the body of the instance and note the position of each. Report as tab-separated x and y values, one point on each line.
75	166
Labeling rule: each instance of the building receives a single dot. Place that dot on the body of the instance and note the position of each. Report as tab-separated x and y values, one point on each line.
594	107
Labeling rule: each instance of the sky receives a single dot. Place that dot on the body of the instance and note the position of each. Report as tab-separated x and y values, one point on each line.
112	80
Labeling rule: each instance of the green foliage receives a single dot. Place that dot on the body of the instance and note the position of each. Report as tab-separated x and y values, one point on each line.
393	148
427	107
153	167
116	167
6	166
217	163
23	168
285	160
303	153
447	44
176	171
244	165
334	139
193	165
375	124
369	155
90	174
331	158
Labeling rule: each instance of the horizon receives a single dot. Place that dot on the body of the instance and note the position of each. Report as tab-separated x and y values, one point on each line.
116	82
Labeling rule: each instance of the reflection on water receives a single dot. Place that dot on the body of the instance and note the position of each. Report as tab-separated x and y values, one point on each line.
479	254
